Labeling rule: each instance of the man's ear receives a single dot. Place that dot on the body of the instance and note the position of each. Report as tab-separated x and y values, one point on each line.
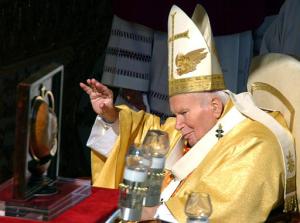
217	107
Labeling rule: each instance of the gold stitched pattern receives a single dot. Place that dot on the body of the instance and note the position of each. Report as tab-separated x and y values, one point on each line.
172	46
290	162
196	84
291	184
179	36
187	62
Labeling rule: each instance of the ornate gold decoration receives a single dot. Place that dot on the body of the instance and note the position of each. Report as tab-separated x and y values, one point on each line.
291	204
172	45
186	51
196	84
256	86
290	163
174	37
179	36
291	184
187	62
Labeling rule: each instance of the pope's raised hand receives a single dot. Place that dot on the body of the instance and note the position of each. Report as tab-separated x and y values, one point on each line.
101	99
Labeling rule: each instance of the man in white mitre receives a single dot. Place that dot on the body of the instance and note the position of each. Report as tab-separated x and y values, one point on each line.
238	153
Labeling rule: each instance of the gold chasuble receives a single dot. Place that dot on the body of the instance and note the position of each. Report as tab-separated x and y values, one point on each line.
108	172
242	185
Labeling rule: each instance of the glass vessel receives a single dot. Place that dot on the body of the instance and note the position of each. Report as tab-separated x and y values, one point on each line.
198	207
156	145
133	188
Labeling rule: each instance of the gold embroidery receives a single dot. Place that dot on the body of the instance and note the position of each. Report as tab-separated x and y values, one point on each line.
187	62
290	163
291	184
291	204
179	36
196	84
172	46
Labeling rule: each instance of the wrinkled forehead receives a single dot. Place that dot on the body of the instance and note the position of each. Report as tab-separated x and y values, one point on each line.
187	100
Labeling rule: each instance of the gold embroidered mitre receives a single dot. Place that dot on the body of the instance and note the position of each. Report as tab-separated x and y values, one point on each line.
193	62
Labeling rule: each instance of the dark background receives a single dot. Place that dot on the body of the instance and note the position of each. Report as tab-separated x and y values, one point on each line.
34	33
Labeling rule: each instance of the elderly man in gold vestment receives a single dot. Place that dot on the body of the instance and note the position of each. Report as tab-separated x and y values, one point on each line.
237	151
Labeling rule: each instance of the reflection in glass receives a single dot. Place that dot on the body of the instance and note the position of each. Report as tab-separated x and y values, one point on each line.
198	207
156	145
133	188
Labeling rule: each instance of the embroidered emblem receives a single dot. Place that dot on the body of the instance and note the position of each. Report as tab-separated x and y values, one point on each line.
187	62
173	38
219	132
290	163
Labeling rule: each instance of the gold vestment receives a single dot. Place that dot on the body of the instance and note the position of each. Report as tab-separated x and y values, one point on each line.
243	172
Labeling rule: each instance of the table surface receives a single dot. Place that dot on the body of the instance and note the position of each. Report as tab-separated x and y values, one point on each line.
94	209
97	208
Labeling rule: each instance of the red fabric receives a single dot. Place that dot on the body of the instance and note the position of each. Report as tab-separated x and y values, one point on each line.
94	209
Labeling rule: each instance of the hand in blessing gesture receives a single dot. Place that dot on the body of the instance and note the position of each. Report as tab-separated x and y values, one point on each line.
101	99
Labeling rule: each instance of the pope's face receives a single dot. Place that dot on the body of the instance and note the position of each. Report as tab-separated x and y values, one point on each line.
196	114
